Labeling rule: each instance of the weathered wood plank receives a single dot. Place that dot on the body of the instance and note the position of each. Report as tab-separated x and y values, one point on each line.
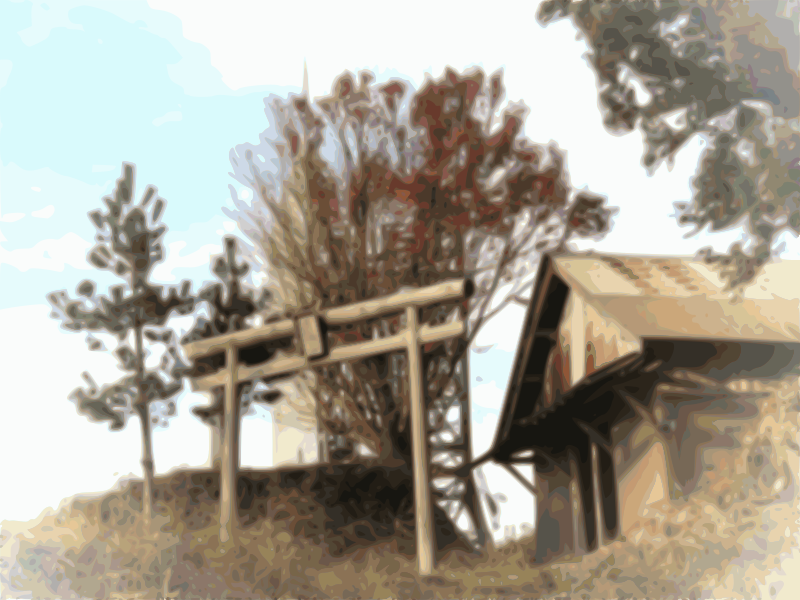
427	334
447	290
267	332
452	289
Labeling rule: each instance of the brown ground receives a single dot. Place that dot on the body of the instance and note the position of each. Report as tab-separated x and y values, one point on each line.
296	542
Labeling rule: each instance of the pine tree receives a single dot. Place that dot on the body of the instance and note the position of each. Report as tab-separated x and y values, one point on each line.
229	304
129	244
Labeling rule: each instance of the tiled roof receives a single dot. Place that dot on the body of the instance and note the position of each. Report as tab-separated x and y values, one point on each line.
683	297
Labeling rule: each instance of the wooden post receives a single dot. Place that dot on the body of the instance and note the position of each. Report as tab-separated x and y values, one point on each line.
598	495
586	516
216	435
608	494
230	449
471	499
419	447
555	519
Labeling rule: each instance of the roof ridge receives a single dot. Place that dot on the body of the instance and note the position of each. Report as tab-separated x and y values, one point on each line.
643	255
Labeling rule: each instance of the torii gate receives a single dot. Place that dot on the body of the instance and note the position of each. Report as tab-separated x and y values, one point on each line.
310	331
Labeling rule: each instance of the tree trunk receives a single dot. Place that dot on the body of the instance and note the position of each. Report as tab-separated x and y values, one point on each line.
142	408
148	465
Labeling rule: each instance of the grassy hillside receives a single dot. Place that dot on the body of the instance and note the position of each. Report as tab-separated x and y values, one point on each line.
304	536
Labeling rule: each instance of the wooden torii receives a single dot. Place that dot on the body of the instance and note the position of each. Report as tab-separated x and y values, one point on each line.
309	334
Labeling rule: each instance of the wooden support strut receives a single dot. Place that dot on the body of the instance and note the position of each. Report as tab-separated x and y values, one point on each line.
531	487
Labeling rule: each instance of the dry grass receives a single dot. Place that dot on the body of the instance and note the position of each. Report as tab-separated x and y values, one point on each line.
294	543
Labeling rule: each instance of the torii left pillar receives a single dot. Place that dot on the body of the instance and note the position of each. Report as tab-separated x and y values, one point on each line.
230	449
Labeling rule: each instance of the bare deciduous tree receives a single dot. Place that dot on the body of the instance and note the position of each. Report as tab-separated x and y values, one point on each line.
379	186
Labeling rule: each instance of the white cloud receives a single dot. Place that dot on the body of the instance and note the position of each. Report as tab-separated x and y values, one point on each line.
256	442
186	440
20	189
56	449
44	20
233	32
65	453
49	255
228	227
44	213
202	256
519	508
171	117
488	395
483	433
502	331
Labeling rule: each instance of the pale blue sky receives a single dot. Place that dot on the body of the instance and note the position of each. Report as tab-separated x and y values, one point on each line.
173	86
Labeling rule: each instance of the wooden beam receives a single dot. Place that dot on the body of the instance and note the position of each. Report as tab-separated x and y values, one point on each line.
429	334
364	349
598	505
289	364
531	487
522	354
453	289
208	382
270	331
273	368
419	447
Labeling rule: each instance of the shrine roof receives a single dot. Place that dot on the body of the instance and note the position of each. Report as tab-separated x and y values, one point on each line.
672	297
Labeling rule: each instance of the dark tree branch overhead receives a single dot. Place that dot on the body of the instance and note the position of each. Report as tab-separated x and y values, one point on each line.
723	69
230	304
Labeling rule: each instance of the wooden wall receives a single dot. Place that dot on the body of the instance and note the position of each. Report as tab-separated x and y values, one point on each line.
587	342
